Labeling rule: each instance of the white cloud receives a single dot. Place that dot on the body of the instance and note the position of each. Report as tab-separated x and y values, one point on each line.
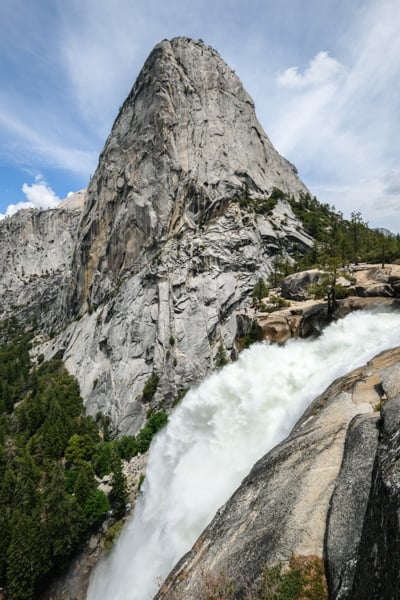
13	208
38	195
338	119
321	69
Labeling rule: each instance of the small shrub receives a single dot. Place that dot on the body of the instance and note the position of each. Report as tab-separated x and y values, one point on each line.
260	290
96	506
141	480
112	535
126	447
156	422
343	292
150	388
181	394
221	358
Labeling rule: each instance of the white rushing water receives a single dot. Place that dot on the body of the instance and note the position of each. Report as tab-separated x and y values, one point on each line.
214	437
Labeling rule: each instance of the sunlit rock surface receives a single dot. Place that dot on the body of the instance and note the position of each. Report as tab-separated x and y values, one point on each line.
36	248
171	243
309	496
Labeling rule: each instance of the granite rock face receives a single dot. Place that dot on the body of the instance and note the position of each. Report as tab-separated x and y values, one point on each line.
307	497
378	568
186	142
349	503
36	248
185	212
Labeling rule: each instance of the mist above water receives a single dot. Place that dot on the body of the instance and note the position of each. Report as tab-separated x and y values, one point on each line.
214	437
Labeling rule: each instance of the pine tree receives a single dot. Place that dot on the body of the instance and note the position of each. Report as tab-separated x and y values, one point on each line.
119	492
27	556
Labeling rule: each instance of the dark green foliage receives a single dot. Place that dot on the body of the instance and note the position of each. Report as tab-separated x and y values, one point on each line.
119	493
263	206
281	267
328	287
127	447
251	337
150	388
101	459
14	370
80	448
48	495
96	505
154	424
221	358
348	240
260	290
27	556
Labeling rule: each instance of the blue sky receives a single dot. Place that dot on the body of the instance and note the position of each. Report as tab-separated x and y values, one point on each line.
324	75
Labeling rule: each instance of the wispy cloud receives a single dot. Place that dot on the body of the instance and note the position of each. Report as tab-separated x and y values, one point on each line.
321	70
338	117
324	75
26	144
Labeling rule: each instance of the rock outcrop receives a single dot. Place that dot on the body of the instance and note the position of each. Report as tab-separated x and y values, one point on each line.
36	249
377	570
185	143
297	286
316	486
185	212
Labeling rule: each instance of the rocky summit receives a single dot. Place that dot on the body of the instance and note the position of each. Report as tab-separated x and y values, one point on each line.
184	213
146	279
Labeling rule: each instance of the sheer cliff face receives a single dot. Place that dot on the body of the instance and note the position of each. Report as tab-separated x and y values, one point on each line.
36	248
175	231
185	141
166	254
330	490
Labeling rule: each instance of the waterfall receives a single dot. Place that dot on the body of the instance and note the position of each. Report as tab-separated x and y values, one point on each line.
215	436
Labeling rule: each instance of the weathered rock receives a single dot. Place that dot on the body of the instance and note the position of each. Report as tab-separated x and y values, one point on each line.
277	330
348	505
281	508
296	286
174	234
378	289
378	567
186	141
36	248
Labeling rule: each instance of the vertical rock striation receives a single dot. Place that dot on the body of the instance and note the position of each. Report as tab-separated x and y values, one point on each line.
377	574
177	227
307	497
36	249
185	141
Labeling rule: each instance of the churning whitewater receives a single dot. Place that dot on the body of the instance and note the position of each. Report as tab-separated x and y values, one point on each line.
214	437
